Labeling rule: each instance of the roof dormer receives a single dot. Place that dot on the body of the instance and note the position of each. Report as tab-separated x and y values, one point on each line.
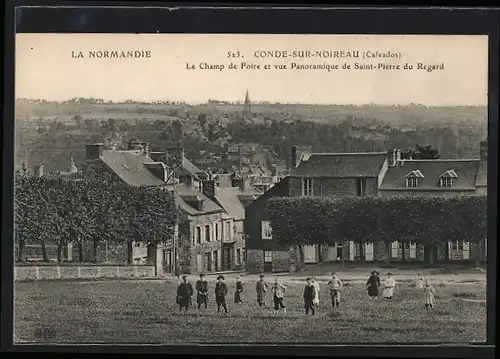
447	178
413	179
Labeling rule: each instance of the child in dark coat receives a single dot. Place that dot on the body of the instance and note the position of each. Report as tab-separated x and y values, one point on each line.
202	292
184	293
220	293
239	290
309	295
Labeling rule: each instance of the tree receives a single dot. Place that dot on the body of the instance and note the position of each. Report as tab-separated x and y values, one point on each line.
421	153
431	222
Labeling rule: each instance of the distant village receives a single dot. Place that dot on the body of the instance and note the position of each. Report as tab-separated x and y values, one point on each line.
224	226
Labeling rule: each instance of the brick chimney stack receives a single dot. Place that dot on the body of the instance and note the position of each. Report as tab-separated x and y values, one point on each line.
94	150
294	156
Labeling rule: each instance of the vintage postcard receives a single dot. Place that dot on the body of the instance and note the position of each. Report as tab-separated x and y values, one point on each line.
237	188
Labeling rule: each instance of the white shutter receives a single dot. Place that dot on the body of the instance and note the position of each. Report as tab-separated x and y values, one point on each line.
485	248
465	251
369	251
351	250
413	250
395	249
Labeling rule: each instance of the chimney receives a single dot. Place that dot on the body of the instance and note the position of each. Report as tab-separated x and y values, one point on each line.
38	171
398	156
245	184
294	156
209	189
483	150
93	151
392	156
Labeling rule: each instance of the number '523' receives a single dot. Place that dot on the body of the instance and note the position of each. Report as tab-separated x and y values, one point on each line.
233	54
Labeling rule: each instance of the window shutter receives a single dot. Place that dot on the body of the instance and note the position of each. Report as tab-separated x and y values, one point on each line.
369	251
395	249
465	252
413	250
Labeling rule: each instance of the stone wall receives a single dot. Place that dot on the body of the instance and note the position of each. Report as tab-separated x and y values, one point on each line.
255	261
281	261
44	272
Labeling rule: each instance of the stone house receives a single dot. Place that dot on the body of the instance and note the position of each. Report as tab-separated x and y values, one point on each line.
313	174
437	178
360	174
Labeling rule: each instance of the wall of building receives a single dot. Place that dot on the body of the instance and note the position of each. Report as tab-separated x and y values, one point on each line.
332	187
192	256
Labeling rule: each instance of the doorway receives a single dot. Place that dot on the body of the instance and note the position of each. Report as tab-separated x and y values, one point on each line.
226	259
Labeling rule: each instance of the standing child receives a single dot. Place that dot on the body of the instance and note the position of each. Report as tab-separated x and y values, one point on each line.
316	288
309	294
430	295
389	285
372	285
261	288
278	291
202	292
239	290
184	293
220	293
335	285
420	281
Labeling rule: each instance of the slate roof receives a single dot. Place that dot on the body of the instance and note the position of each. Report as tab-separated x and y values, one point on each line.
129	166
466	170
184	194
340	165
232	199
482	174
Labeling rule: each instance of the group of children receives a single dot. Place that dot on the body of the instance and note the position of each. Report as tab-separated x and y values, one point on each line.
310	294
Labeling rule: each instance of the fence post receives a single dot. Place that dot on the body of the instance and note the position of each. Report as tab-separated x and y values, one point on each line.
136	273
37	273
117	271
58	272
79	272
99	271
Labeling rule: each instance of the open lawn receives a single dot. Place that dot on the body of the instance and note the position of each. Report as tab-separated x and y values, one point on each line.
145	312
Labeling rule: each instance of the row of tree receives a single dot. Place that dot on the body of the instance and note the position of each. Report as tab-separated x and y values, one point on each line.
428	221
88	213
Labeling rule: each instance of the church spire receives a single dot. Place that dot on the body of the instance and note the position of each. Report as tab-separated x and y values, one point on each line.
247	110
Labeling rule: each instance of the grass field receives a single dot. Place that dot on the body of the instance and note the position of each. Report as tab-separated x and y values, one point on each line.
145	312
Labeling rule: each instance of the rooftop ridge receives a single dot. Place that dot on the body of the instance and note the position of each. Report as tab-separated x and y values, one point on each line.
345	153
442	160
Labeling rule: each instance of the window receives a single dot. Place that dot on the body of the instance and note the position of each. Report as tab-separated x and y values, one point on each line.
208	261
447	178
207	233
413	179
216	260
267	231
307	186
395	250
268	256
227	228
198	235
454	245
360	187
238	256
411	182
446	182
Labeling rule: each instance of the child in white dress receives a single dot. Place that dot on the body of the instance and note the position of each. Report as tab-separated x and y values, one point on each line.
389	285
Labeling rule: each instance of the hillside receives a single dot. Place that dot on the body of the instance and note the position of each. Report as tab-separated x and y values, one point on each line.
52	132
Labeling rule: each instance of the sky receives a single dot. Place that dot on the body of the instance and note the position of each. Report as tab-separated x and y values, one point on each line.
47	68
